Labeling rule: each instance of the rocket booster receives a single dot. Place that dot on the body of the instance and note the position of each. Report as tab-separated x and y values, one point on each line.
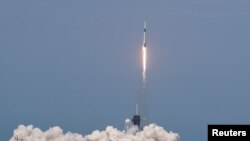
144	35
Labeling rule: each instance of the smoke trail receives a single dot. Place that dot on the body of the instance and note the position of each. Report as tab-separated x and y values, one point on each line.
151	132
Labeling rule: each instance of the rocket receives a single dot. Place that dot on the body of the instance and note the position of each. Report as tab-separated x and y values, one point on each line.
144	35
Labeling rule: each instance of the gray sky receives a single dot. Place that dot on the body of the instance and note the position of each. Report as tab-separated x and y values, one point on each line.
77	64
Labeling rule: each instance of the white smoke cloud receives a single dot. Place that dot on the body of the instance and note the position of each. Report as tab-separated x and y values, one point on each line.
151	132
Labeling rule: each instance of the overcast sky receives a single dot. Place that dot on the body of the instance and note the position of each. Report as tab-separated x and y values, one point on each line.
77	64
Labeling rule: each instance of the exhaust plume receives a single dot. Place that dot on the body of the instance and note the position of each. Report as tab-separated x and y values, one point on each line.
144	65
